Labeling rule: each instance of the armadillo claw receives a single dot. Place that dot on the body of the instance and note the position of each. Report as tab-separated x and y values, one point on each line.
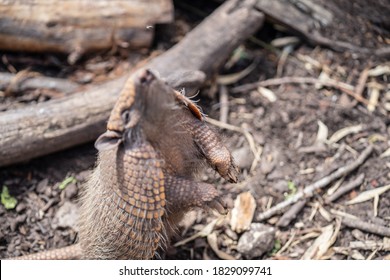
217	204
219	158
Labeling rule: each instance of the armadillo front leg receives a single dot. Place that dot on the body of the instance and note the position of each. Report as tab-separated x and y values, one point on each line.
209	144
182	195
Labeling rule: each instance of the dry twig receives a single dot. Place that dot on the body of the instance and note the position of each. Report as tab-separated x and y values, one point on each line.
362	82
224	103
344	189
309	190
365	226
291	214
287	244
348	89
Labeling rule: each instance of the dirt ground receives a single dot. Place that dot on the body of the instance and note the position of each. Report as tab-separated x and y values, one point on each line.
292	125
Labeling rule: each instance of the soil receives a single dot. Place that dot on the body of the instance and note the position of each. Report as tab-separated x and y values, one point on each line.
285	129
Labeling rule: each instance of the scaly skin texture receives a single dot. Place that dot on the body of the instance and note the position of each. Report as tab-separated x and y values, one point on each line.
143	184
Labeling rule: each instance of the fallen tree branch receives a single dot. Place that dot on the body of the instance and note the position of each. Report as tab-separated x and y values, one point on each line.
77	27
365	226
309	190
55	125
304	17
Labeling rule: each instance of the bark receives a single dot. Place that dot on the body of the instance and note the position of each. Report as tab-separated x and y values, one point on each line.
76	27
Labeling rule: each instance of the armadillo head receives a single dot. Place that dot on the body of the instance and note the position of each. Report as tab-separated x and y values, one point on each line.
142	96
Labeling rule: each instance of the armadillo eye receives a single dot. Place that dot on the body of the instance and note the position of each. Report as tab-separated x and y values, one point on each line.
126	116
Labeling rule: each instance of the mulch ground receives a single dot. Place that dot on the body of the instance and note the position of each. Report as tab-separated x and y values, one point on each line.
291	125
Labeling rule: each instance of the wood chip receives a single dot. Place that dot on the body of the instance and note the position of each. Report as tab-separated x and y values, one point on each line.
323	242
340	134
374	98
322	133
368	195
267	93
242	213
356	255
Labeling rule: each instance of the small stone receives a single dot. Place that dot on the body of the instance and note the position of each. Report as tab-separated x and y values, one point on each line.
71	191
22	230
41	187
11	248
257	241
66	216
20	207
21	218
256	98
48	192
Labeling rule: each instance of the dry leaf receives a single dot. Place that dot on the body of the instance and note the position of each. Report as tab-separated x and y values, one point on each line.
368	195
322	133
340	134
323	242
242	213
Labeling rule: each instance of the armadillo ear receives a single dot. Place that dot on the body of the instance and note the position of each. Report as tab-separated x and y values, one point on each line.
108	140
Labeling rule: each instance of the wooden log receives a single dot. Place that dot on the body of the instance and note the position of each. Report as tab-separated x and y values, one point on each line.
77	27
12	83
89	13
55	125
307	17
